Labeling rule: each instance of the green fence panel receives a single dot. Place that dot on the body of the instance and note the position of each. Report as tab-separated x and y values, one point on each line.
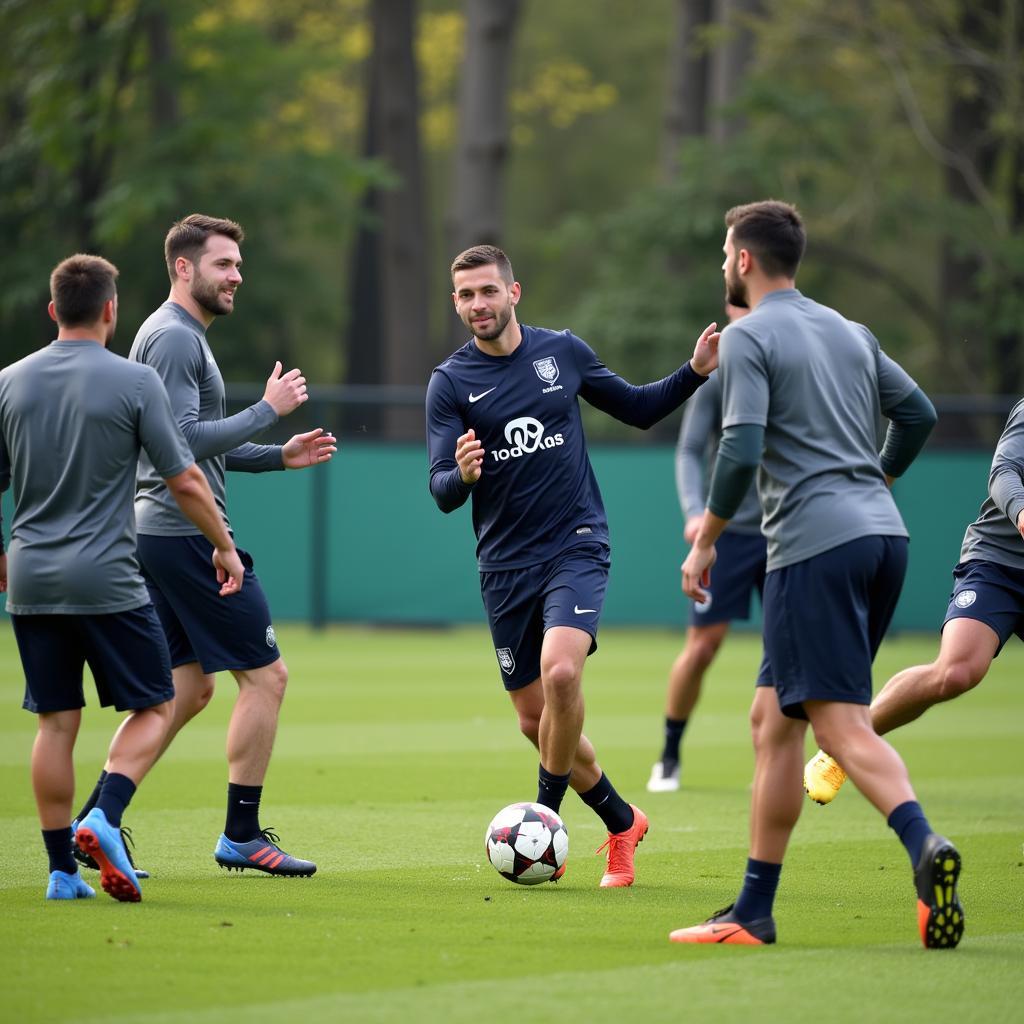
362	540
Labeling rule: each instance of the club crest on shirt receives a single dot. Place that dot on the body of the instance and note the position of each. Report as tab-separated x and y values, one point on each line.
547	369
505	659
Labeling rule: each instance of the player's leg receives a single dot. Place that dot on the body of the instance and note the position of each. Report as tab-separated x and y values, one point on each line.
131	666
965	654
985	609
684	685
563	655
53	662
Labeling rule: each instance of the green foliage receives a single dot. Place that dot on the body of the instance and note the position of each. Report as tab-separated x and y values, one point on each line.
264	103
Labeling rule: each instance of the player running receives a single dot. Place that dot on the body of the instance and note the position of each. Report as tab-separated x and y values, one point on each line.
739	570
802	391
504	427
73	417
985	608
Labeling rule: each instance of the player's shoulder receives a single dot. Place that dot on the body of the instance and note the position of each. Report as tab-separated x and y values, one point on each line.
169	330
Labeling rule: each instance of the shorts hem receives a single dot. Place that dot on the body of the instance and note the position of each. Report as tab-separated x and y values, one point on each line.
233	667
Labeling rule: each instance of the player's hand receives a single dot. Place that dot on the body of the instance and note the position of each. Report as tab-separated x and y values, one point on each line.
285	392
705	352
1020	526
469	454
692	527
309	449
697	571
3	573
230	571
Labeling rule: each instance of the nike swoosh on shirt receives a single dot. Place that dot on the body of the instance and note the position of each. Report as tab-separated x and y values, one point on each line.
582	611
483	394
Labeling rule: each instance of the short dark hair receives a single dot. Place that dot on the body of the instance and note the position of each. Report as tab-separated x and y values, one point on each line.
484	256
188	236
80	287
773	231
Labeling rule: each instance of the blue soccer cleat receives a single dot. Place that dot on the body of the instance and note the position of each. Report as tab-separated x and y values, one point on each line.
68	887
98	838
87	861
261	853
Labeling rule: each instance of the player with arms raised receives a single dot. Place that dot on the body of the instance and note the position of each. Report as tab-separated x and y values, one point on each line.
504	427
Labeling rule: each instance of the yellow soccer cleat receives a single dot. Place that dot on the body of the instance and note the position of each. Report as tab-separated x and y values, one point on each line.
822	778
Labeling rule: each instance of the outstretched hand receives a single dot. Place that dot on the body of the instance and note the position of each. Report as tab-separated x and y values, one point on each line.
309	449
705	352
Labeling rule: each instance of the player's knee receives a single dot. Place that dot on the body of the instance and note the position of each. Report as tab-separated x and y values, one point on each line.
957	677
561	680
529	726
277	679
703	650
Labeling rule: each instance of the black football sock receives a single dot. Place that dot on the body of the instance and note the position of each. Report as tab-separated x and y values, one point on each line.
243	821
58	848
616	814
551	789
674	728
758	893
115	795
910	824
93	797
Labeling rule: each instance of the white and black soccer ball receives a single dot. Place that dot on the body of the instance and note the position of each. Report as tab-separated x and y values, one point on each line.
527	843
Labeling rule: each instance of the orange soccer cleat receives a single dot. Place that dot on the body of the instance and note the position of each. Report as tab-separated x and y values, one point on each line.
621	851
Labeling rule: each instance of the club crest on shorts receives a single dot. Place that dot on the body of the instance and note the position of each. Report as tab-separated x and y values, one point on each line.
505	659
705	605
965	598
271	637
547	369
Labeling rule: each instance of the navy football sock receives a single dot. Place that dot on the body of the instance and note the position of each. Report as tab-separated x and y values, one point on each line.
551	788
115	795
58	848
674	728
93	797
243	820
616	814
910	824
758	893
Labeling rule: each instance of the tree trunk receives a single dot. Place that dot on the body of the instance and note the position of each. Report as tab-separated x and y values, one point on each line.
390	273
477	202
164	106
730	62
686	105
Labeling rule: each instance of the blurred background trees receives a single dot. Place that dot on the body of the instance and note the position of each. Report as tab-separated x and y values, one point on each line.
362	143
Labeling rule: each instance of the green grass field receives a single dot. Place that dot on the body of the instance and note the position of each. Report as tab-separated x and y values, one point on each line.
395	750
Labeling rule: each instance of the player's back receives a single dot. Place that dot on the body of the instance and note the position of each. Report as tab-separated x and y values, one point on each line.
818	383
69	416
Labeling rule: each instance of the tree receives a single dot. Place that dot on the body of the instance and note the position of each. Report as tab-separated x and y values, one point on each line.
686	113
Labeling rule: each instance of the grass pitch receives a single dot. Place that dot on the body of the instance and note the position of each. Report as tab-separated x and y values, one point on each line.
395	750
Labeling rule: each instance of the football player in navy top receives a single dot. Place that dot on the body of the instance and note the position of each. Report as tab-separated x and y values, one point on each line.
504	426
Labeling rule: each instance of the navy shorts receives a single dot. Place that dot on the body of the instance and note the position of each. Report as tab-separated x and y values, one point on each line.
991	593
125	651
221	633
522	604
738	571
825	618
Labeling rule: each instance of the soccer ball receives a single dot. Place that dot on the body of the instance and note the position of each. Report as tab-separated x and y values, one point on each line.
527	843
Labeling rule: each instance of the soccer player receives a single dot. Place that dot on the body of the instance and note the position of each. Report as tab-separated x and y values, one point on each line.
206	636
73	417
802	390
739	570
504	427
985	608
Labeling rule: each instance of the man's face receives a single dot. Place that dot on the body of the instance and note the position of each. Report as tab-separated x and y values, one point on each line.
735	286
216	276
484	301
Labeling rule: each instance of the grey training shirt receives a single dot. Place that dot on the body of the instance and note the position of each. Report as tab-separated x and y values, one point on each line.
695	458
993	536
72	419
816	382
174	343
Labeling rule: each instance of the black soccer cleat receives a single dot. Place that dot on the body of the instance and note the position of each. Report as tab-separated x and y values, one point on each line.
940	917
